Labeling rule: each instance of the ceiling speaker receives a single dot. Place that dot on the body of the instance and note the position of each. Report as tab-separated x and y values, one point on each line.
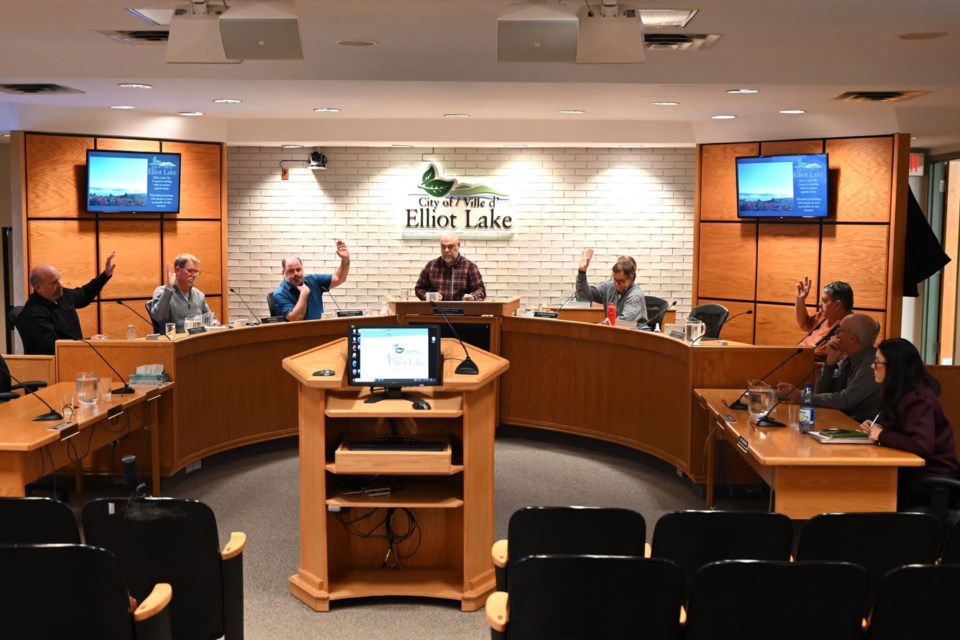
610	39
537	33
266	30
196	39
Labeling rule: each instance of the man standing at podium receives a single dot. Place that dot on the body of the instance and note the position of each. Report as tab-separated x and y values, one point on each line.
299	296
451	275
50	313
619	289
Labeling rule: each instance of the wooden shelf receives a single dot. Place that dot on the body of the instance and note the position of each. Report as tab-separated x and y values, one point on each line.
350	405
393	462
418	494
427	582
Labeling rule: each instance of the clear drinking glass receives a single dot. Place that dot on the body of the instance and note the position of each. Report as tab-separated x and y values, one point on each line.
760	398
106	388
170	328
66	405
87	388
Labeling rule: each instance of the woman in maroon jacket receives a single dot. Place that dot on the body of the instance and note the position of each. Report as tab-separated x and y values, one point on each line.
911	419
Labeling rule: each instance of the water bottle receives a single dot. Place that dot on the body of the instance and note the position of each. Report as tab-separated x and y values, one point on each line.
808	413
131	332
612	314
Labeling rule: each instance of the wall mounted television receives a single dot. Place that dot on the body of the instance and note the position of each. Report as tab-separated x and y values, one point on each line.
132	182
788	186
394	357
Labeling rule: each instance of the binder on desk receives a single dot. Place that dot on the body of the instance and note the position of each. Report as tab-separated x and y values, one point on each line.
840	436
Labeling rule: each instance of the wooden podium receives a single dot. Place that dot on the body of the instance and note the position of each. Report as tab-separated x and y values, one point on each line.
478	323
450	493
469	307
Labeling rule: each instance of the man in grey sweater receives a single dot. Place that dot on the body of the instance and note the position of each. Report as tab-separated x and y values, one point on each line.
179	298
619	289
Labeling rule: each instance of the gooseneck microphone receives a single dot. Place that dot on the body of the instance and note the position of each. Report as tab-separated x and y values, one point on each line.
252	314
765	420
653	322
739	402
124	304
44	417
748	312
468	367
569	298
126	388
349	313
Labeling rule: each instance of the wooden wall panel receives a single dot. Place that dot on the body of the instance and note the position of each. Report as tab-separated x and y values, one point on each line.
89	320
216	305
857	254
56	172
718	179
739	329
202	239
127	144
777	324
864	182
786	253
728	259
69	245
114	318
783	147
199	178
137	243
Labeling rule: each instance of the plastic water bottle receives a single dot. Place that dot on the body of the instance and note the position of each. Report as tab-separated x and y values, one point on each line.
612	314
808	412
131	332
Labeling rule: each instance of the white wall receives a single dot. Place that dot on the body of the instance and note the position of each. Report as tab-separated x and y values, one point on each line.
638	202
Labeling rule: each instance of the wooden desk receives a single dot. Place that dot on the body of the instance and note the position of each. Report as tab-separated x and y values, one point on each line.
29	450
807	477
452	502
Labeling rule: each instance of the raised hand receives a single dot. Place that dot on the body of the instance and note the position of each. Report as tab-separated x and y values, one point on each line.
342	251
585	258
109	266
171	275
803	289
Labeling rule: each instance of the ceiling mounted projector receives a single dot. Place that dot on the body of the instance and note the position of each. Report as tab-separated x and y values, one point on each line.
612	36
261	30
537	32
194	36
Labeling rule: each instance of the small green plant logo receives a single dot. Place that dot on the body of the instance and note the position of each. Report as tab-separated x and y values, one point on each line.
452	188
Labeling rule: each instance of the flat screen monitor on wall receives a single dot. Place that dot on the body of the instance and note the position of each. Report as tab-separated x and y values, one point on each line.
793	186
132	182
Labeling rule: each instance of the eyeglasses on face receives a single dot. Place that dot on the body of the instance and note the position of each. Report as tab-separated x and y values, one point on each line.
192	272
879	363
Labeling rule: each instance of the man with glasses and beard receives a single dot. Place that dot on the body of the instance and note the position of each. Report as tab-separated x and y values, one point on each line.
300	296
50	313
179	298
836	303
619	289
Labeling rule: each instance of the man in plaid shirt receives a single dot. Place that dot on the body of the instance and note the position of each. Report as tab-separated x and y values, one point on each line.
451	276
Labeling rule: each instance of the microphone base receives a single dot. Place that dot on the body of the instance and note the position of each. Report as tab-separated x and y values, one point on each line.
467	368
125	389
739	405
48	417
769	422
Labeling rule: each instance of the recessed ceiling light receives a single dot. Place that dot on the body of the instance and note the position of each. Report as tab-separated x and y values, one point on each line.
515	146
742	91
357	43
723	116
122	106
291	146
135	85
572	112
192	114
922	35
793	112
7	135
327	110
665	104
228	101
402	146
456	115
631	146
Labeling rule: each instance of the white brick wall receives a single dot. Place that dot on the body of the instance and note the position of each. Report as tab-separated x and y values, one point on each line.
637	202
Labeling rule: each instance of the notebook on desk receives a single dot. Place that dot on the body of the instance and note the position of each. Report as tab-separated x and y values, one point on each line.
840	436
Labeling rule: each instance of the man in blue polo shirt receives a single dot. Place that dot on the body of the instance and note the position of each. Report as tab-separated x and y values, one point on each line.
299	296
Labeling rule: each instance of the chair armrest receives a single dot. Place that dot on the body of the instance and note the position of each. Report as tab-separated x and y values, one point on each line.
499	553
940	482
33	385
234	546
498	611
8	395
154	603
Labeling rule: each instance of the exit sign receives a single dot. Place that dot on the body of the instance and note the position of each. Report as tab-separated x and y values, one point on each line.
916	164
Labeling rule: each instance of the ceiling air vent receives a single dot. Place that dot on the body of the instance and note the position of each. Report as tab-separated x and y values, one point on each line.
678	41
878	96
138	37
30	89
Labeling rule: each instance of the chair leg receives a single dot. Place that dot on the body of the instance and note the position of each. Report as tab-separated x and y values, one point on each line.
233	598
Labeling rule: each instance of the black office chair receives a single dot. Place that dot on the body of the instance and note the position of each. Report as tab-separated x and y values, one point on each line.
272	305
7	388
565	596
37	521
916	601
655	308
944	499
568	530
950	554
758	600
692	539
712	316
95	604
158	327
175	541
878	542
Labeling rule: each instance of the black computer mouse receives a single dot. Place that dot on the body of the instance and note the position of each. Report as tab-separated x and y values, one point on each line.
324	372
421	404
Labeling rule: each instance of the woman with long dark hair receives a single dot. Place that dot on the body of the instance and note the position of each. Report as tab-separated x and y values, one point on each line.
911	419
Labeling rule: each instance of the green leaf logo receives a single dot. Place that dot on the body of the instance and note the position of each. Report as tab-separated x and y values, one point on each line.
429	174
437	187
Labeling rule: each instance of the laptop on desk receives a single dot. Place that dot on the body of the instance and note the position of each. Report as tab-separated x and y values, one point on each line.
841	436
